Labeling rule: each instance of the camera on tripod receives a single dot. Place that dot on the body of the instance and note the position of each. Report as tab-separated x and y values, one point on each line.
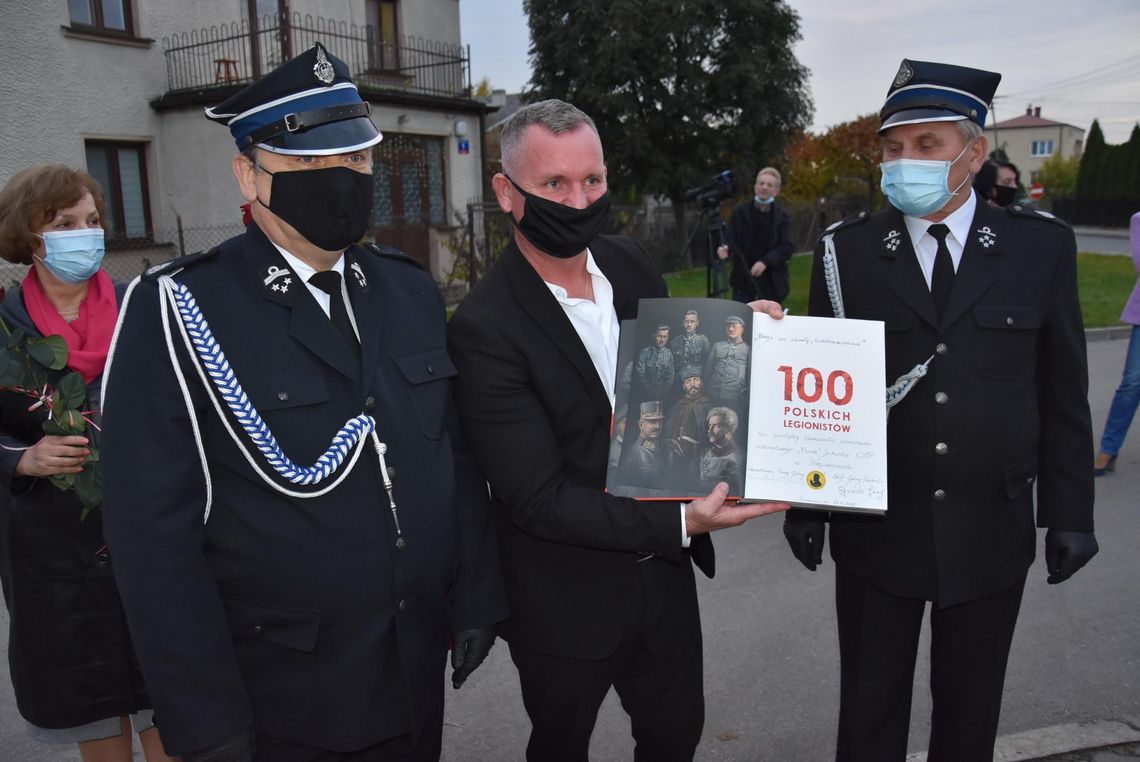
713	191
709	195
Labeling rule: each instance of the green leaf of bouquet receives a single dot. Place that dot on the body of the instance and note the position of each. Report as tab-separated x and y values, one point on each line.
49	351
15	338
89	488
71	391
69	420
63	482
11	369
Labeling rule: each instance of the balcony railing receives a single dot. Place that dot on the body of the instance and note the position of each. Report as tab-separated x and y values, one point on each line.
242	51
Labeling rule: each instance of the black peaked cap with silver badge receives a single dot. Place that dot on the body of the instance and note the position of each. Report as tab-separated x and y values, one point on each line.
936	92
308	105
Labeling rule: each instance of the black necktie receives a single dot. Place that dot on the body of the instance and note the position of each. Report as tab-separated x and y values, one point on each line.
329	282
942	279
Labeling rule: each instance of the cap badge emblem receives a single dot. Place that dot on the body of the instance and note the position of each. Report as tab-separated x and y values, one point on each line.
322	69
905	74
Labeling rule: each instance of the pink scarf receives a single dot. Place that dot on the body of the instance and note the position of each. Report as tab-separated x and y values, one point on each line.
88	337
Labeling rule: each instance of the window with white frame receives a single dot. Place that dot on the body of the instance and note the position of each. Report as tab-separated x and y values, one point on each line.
1042	148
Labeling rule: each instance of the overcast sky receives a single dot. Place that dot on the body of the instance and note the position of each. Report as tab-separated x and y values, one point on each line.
1076	59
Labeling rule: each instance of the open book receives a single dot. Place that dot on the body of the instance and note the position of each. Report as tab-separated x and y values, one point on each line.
790	410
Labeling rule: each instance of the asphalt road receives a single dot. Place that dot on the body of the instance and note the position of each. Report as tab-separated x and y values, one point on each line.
771	660
1102	241
770	646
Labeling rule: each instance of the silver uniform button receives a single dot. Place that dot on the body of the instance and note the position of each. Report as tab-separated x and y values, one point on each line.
940	495
941	348
1009	321
941	448
941	398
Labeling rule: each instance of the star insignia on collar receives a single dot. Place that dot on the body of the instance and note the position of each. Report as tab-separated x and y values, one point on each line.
359	273
893	240
986	237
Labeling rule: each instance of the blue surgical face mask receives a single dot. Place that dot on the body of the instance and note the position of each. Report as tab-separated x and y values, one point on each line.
917	187
73	256
763	201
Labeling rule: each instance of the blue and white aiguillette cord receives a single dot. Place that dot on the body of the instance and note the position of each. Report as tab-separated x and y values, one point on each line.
214	367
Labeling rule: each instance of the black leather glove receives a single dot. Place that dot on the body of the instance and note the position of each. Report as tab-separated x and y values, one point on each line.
805	536
236	748
468	650
1066	552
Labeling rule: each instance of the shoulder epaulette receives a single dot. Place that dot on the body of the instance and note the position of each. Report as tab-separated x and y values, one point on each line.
1021	210
178	263
845	223
389	253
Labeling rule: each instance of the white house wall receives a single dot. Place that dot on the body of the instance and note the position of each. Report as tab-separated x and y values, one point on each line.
60	90
436	20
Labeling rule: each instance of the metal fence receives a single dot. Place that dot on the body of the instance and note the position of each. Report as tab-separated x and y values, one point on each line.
673	245
240	52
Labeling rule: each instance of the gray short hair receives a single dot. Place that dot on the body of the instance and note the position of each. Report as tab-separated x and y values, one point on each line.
969	129
731	419
773	172
555	115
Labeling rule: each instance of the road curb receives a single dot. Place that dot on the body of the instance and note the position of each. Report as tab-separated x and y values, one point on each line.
1109	333
1103	232
1060	739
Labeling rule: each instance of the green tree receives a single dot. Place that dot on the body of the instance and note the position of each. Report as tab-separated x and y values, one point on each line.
844	161
1059	175
679	89
1090	177
1130	169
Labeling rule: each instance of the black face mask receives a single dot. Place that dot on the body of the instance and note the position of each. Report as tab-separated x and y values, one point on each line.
559	230
1004	195
329	207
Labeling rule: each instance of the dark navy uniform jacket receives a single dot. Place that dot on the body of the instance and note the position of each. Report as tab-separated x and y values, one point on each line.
1003	408
299	616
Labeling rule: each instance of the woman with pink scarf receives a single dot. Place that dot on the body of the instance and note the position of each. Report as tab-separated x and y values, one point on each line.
73	668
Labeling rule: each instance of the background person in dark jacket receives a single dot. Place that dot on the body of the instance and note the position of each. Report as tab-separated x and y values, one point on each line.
73	669
760	243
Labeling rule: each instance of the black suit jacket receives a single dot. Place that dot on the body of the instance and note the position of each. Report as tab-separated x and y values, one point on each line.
537	418
299	616
1006	394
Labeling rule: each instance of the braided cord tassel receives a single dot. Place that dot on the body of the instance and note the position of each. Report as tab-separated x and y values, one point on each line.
831	276
902	386
218	368
905	382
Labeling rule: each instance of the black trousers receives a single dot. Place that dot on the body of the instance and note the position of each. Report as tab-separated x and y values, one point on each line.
878	643
398	749
657	672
